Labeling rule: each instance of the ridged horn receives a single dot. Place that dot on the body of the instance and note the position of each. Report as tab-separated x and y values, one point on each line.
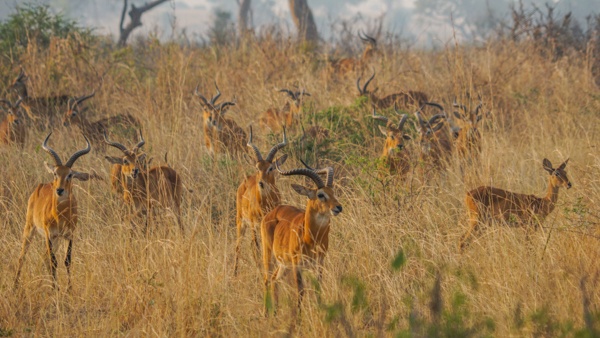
217	95
50	151
140	143
276	147
304	172
115	144
255	148
379	117
328	171
79	153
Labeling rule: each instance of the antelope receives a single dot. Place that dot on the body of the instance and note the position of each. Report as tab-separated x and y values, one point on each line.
275	119
346	65
434	141
12	128
44	106
486	203
143	189
94	130
257	195
295	237
394	156
468	141
52	210
220	133
403	99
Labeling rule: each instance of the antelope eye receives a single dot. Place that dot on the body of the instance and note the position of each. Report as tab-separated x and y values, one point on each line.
126	161
392	137
556	173
321	196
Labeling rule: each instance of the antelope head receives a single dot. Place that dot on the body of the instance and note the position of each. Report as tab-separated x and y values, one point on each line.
73	114
362	91
64	174
11	113
558	176
295	96
265	176
469	117
131	163
394	135
320	199
18	84
371	43
428	128
208	106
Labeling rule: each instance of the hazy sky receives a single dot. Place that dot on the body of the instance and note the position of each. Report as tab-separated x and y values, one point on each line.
196	16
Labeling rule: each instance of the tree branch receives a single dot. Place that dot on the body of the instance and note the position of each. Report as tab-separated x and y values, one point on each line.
135	14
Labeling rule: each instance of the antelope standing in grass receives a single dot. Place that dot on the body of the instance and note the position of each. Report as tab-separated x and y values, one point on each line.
95	130
12	128
394	155
403	99
221	134
436	147
43	108
468	141
347	65
486	203
293	237
147	189
257	195
52	210
288	116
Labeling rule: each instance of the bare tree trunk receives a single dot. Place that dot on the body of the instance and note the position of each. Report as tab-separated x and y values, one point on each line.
244	16
136	19
304	21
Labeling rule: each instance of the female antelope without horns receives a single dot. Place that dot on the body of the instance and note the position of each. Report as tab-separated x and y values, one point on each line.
486	203
52	210
294	237
288	116
147	189
257	195
394	154
12	128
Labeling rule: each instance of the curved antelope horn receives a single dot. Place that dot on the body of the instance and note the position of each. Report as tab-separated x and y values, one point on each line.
403	119
21	75
360	91
379	117
371	39
289	92
422	122
436	117
368	81
18	103
197	93
478	108
223	105
255	148
276	147
327	171
304	172
302	93
436	105
364	38
461	106
79	153
217	95
50	151
85	97
140	143
115	144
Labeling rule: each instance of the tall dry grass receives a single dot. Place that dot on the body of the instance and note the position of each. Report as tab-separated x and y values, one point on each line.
172	284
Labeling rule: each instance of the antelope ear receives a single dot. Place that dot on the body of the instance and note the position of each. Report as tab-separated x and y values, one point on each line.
49	167
383	130
302	190
479	117
406	137
114	160
82	176
281	160
548	166
564	164
457	115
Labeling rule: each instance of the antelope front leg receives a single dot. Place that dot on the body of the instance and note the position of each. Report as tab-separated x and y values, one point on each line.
299	285
241	230
53	262
27	235
68	263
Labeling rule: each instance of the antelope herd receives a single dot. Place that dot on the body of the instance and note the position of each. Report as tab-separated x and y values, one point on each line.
290	238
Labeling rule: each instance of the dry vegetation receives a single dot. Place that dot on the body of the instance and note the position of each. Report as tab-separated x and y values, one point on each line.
393	264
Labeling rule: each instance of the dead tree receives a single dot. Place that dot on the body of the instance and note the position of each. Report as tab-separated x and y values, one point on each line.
135	14
244	19
304	21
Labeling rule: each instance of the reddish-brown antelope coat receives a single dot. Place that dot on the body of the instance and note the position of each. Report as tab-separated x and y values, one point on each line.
95	130
257	195
347	65
468	141
221	135
292	237
403	99
52	210
12	128
157	186
42	109
394	154
288	116
486	203
436	147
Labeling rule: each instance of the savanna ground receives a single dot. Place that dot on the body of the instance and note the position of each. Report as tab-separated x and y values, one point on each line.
393	267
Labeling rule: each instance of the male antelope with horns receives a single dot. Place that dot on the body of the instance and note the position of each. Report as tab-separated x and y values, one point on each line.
52	210
394	155
257	195
294	237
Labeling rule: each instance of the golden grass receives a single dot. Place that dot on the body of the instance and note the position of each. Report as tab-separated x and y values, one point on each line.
168	284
